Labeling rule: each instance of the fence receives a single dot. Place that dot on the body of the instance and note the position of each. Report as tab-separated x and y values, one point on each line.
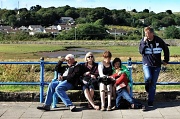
42	83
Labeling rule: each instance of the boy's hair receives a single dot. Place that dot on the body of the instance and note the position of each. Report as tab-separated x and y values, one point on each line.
107	54
116	60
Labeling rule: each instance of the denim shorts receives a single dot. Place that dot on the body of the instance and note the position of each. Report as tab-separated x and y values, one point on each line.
87	86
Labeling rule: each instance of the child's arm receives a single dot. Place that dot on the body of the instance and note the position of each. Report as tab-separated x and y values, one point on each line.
122	78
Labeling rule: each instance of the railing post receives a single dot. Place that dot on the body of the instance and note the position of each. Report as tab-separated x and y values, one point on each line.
41	79
129	63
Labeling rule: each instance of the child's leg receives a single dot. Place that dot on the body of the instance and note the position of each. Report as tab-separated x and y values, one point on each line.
109	89
102	95
128	89
114	91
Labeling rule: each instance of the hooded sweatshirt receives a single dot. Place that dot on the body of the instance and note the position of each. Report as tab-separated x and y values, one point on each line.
151	52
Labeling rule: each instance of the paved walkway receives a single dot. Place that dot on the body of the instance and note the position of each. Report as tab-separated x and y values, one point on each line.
27	110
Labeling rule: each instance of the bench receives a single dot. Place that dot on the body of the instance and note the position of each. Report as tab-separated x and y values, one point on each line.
55	97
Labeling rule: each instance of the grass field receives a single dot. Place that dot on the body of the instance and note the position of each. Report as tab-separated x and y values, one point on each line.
30	52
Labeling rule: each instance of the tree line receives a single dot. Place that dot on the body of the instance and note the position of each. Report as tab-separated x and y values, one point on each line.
37	15
48	16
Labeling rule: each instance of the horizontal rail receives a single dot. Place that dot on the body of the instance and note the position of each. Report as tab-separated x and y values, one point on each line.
47	83
23	83
42	83
159	83
65	63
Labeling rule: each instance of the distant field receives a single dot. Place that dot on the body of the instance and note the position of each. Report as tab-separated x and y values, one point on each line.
25	51
30	51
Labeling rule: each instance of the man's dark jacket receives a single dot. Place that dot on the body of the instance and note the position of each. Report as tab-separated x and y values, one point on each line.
151	51
74	72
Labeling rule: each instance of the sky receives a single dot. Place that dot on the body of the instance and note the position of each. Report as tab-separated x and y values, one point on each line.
153	5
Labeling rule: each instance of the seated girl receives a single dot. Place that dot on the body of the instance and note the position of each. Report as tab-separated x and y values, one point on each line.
121	84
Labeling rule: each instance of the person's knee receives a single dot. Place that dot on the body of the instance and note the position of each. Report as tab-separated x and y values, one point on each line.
58	89
103	91
148	78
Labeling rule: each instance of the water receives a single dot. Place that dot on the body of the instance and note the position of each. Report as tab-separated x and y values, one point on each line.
78	52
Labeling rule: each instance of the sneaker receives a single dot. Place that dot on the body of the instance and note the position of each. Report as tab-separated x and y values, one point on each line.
114	108
44	107
72	108
150	104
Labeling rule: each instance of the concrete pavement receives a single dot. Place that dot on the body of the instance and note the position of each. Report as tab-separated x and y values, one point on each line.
27	110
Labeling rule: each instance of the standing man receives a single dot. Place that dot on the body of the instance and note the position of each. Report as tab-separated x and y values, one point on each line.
150	48
70	77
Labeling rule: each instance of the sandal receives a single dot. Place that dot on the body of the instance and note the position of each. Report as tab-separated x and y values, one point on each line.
109	108
103	108
96	107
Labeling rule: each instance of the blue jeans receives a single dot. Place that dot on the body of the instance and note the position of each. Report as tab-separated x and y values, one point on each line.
60	88
151	75
122	93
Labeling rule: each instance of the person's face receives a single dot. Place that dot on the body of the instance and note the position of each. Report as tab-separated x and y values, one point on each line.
69	61
90	58
149	34
107	59
117	65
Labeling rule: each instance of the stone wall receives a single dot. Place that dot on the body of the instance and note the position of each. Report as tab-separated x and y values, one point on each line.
78	96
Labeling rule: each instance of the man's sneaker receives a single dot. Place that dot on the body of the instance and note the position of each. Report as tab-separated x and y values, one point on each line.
72	108
150	104
44	107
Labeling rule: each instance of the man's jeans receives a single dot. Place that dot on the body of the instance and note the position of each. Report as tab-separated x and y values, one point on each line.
151	75
122	93
60	88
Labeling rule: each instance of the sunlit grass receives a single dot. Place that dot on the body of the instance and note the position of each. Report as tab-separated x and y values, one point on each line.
30	51
140	88
28	48
26	51
19	88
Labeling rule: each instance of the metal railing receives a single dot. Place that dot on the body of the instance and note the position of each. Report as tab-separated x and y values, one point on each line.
42	83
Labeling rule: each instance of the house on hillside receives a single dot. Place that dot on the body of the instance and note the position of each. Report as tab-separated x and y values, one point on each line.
8	29
65	27
58	27
5	27
33	32
66	20
33	29
14	31
52	31
142	20
117	32
23	28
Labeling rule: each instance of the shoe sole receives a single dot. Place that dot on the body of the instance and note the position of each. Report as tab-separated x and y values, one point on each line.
43	109
73	109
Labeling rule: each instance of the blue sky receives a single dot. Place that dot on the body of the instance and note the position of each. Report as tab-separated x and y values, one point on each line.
153	5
